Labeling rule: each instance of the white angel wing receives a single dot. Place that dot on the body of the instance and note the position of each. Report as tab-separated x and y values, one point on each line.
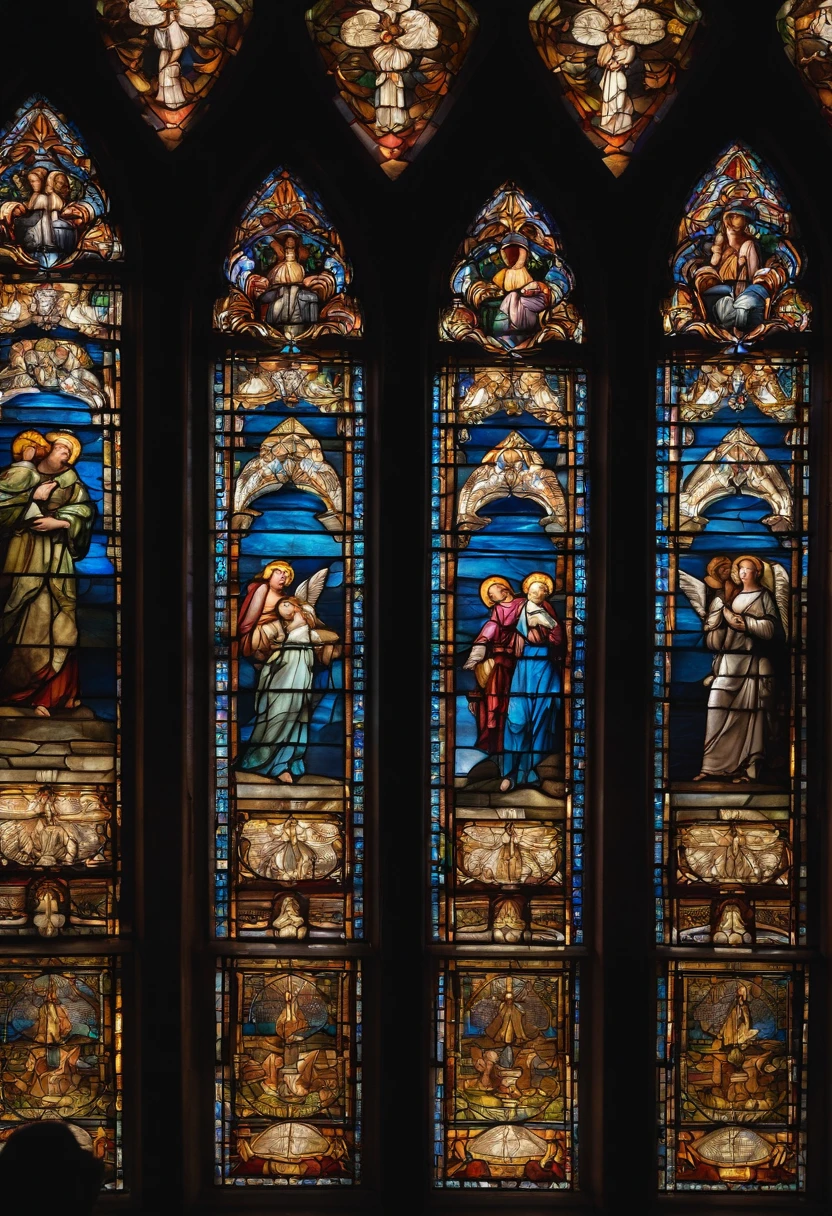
782	593
309	591
694	589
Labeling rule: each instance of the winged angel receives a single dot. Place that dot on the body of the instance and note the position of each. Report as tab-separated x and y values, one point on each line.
283	636
616	27
744	608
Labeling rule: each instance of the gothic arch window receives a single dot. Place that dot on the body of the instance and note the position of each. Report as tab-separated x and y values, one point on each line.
289	679
61	809
509	572
730	686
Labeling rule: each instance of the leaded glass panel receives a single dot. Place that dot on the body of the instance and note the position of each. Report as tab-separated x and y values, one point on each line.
732	1076
288	1100
505	1107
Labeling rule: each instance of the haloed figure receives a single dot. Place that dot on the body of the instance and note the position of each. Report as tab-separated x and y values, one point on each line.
517	660
741	702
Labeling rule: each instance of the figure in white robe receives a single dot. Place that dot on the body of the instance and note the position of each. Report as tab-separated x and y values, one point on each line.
743	636
170	21
616	27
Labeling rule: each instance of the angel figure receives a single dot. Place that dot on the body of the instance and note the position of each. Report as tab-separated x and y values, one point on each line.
616	27
283	636
170	21
743	635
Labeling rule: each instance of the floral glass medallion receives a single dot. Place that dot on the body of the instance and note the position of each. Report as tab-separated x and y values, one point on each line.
168	54
393	62
618	63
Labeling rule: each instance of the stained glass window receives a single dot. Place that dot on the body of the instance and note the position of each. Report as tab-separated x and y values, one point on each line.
509	519
506	1066
393	63
60	520
168	54
806	29
618	63
289	593
729	681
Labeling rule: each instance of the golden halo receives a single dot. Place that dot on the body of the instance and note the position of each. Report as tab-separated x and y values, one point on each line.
30	439
489	582
757	562
269	570
538	577
71	441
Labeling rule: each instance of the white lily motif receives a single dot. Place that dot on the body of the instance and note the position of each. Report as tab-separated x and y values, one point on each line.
392	29
170	19
617	27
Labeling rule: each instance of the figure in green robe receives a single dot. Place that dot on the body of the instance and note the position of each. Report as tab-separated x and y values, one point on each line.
46	520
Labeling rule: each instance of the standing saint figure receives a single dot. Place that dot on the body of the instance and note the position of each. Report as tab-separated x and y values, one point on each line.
283	636
744	636
616	27
47	529
517	659
170	20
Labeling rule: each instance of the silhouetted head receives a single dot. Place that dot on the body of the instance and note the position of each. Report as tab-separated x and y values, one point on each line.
43	1167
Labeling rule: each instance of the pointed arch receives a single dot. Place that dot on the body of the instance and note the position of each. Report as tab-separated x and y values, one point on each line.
737	465
63	567
738	257
394	64
287	612
288	271
53	209
507	698
168	57
511	285
512	468
730	709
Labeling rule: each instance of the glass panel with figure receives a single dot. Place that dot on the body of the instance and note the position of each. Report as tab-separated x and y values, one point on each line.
737	261
394	63
732	1077
289	676
60	537
506	1075
806	29
288	1082
60	1043
168	54
508	617
730	667
511	286
618	63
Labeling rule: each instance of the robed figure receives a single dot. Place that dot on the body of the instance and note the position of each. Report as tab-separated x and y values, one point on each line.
517	658
46	520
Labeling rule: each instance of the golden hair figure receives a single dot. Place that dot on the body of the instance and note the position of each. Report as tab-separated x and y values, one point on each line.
269	570
29	439
538	577
494	580
757	562
71	441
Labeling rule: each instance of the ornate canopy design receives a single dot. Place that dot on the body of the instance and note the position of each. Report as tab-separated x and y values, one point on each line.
511	285
287	268
737	261
53	210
